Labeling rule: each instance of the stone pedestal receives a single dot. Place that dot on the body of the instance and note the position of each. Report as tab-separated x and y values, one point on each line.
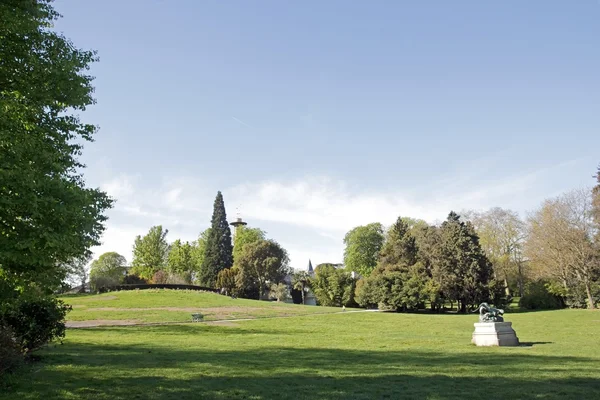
494	334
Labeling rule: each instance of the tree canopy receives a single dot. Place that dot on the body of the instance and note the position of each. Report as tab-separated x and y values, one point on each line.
107	270
363	244
219	250
262	263
150	252
47	214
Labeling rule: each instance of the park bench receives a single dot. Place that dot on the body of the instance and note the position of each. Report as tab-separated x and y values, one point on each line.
197	317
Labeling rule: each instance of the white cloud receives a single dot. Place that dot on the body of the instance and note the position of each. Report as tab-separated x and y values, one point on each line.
311	214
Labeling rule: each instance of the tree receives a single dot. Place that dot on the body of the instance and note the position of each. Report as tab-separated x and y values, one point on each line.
107	270
180	261
363	244
198	254
219	251
596	199
501	235
301	282
47	214
279	291
77	274
227	280
560	246
150	252
245	235
400	246
262	263
460	267
333	286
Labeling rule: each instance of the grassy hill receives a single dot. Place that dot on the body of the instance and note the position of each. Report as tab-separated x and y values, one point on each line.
331	356
163	305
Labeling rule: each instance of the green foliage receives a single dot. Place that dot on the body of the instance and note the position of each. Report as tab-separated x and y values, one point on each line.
400	246
132	279
333	286
245	235
219	251
150	253
301	281
279	291
107	270
181	260
227	279
363	244
10	354
198	254
34	320
538	297
47	215
261	263
460	266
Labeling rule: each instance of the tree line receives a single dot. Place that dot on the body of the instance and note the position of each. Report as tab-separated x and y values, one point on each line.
247	267
550	259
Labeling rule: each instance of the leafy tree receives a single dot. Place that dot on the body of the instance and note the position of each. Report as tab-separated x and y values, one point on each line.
219	251
261	263
198	254
363	244
227	280
461	268
561	249
596	200
245	235
279	291
107	270
77	272
47	214
180	260
301	282
150	252
333	286
400	246
501	234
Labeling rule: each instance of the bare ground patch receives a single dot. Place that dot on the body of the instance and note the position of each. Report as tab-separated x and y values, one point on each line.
101	322
222	323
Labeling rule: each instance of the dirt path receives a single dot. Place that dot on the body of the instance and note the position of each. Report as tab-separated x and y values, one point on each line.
132	322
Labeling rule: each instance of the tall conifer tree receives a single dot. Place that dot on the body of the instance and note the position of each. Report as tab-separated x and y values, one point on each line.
219	249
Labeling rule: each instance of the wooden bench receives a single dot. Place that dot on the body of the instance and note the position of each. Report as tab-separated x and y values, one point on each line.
197	317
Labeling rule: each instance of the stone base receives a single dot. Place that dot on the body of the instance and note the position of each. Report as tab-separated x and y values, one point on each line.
494	334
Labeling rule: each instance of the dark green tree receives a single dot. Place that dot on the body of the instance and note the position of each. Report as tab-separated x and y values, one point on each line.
260	265
400	246
461	268
219	250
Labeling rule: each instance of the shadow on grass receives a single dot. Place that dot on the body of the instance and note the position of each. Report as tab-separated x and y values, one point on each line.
151	372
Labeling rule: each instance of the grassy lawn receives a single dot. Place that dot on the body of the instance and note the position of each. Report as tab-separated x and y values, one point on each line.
147	306
338	356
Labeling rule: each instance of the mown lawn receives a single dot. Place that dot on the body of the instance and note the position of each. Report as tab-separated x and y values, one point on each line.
337	356
149	306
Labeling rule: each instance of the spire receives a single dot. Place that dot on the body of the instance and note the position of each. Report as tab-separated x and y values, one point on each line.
310	268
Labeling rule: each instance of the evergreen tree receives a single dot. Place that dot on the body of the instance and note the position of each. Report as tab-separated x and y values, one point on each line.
400	246
219	250
462	270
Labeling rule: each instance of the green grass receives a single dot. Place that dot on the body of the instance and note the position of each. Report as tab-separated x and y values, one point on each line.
153	306
337	356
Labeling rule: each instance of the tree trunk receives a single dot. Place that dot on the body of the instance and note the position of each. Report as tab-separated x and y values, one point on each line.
303	296
520	280
463	307
588	291
506	288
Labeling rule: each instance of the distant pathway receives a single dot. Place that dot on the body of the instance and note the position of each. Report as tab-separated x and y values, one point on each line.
125	322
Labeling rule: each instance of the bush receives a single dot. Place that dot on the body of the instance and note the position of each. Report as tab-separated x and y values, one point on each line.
160	277
35	321
134	280
10	354
98	283
537	297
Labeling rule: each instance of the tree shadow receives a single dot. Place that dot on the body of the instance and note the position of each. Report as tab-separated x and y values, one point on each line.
531	344
80	370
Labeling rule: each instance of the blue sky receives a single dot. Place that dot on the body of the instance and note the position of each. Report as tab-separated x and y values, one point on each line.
317	116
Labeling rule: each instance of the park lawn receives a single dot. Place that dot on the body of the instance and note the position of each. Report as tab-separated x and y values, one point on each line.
338	356
163	305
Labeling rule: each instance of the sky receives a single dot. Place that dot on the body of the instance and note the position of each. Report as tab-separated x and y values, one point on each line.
313	117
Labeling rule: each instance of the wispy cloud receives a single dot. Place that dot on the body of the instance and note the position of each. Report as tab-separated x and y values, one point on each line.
311	215
241	122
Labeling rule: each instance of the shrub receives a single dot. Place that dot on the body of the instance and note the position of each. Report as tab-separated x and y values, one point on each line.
35	321
10	354
134	280
160	277
538	297
177	279
279	291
